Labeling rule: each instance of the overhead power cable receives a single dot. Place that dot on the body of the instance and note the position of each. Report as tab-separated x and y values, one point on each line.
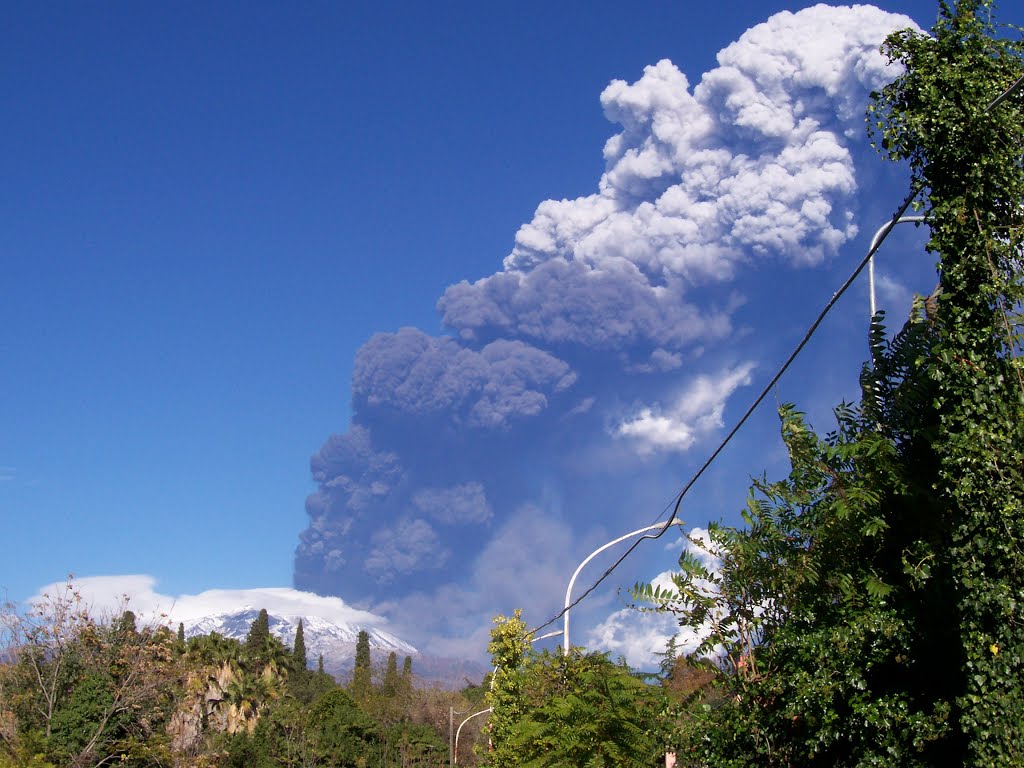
747	414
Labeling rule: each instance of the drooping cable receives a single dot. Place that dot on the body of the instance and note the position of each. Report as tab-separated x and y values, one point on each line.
914	192
678	499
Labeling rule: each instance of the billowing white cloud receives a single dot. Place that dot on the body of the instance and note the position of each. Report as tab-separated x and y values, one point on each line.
635	293
637	637
751	165
137	592
696	412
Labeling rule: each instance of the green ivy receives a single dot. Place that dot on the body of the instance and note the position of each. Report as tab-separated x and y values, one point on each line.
871	611
967	154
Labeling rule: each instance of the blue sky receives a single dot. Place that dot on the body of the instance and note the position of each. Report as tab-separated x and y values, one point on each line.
217	218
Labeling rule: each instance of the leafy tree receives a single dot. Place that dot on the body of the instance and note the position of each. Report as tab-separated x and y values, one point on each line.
250	750
76	691
508	648
132	695
342	733
42	643
585	710
577	710
85	719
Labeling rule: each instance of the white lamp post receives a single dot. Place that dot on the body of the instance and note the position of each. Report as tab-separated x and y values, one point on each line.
591	556
882	231
475	714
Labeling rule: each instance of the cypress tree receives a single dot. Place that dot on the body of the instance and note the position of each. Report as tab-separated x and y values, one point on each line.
181	633
256	640
259	630
361	671
406	680
391	680
320	665
299	649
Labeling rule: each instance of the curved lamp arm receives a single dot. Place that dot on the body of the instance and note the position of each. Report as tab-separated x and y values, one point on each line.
882	231
591	556
481	712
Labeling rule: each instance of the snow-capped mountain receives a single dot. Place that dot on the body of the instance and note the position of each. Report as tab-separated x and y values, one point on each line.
335	642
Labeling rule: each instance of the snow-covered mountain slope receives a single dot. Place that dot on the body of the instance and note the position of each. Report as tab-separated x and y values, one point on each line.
335	642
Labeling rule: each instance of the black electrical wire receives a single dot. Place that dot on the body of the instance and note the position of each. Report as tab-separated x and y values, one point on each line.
750	410
768	388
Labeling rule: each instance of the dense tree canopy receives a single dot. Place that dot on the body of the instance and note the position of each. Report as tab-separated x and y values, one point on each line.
79	691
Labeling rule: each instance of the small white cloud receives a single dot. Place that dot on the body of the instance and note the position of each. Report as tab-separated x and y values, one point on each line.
640	636
106	594
697	412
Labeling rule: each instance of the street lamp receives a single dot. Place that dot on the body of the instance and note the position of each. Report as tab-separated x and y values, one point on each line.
591	556
882	232
451	733
455	755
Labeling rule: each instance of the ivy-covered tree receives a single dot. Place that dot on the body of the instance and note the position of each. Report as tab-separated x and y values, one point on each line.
956	118
508	647
870	611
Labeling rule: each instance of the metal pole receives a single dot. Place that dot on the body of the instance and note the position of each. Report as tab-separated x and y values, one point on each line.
591	556
452	711
882	232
